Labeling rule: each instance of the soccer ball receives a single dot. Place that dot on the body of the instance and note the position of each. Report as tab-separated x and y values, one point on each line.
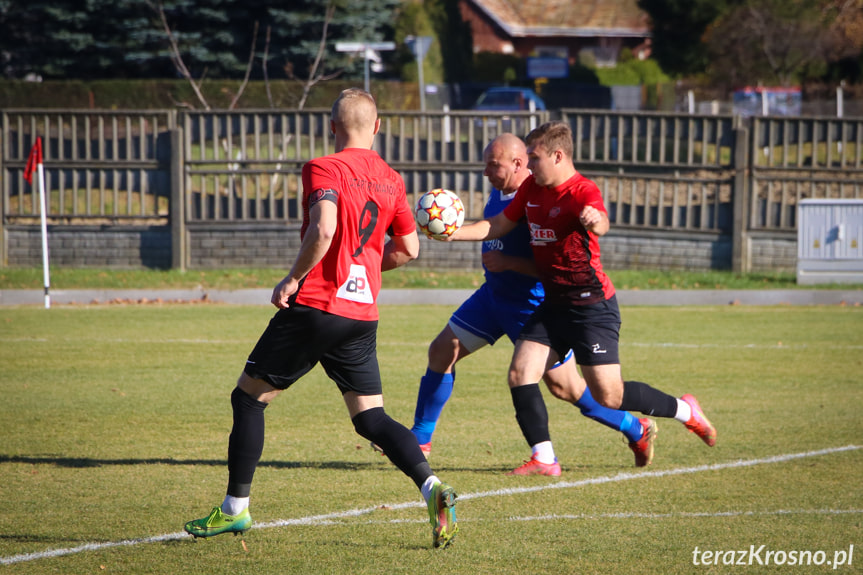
439	213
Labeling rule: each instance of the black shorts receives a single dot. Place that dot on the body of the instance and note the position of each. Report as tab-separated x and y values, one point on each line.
299	337
592	332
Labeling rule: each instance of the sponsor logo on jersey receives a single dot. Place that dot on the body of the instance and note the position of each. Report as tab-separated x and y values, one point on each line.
539	235
495	244
357	287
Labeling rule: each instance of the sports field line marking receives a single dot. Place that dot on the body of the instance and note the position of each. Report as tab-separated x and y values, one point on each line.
334	517
618	515
661	473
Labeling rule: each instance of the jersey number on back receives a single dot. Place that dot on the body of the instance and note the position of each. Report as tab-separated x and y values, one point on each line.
369	215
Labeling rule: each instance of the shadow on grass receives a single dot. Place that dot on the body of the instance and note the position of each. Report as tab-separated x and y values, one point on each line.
29	538
85	462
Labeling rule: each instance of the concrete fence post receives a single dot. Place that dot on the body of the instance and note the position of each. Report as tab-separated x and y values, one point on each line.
178	203
740	260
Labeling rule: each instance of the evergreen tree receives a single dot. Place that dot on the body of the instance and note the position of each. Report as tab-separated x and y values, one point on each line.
90	39
297	33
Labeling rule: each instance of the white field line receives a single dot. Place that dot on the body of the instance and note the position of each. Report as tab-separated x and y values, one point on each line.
333	518
618	515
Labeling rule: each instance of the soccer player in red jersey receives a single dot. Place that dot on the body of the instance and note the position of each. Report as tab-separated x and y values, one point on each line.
328	314
566	216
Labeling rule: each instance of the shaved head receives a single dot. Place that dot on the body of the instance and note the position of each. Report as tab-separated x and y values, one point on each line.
507	147
505	160
355	111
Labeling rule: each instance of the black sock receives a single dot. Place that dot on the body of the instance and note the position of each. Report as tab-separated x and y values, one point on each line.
530	412
397	441
638	396
246	442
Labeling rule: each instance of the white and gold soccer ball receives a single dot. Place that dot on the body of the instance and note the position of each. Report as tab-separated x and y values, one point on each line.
439	213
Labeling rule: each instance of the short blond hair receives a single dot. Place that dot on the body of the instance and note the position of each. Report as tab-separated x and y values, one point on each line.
552	136
355	110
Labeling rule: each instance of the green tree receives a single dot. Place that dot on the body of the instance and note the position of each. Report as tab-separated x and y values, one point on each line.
456	40
678	30
91	39
297	31
413	20
744	41
65	38
496	68
771	41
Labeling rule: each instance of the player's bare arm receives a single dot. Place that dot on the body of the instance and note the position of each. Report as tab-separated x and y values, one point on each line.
400	250
487	229
316	242
594	221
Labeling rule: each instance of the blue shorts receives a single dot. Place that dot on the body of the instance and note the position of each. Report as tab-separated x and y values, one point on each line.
486	317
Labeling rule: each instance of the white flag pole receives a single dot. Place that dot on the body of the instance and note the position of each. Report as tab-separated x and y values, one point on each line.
44	209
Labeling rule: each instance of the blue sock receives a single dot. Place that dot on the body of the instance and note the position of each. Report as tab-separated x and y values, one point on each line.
622	421
435	391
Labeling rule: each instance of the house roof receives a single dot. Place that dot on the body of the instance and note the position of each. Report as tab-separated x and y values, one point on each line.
519	18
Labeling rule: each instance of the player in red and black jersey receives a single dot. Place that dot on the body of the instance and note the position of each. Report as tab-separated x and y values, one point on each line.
566	216
328	314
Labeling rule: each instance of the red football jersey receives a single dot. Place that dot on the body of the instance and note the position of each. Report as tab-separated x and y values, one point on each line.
566	255
371	200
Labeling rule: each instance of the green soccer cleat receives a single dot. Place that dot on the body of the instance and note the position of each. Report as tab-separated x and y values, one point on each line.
441	506
217	522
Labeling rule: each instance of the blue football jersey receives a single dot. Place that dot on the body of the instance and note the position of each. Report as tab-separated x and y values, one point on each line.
509	284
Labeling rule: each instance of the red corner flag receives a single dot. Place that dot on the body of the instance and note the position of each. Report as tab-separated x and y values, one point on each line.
34	160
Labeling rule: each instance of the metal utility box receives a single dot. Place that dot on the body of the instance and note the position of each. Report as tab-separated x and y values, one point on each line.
830	241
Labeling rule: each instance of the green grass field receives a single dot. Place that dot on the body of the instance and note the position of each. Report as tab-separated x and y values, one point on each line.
116	419
405	277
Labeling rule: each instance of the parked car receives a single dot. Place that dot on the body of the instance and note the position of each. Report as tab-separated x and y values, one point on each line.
498	101
506	99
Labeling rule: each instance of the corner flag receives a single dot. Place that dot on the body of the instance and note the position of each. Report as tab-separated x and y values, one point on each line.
34	163
34	160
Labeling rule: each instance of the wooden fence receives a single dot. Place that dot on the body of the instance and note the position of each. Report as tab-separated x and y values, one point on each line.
102	166
658	171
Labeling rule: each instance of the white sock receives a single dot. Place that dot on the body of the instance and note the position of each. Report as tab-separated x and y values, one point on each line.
234	505
543	452
684	412
428	485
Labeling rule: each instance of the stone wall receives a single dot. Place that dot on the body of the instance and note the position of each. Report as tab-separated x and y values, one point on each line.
120	247
273	245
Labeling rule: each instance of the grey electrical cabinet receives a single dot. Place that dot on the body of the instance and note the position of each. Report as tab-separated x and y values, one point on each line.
830	241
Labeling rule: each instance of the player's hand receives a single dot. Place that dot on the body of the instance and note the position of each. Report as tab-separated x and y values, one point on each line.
283	291
590	216
494	261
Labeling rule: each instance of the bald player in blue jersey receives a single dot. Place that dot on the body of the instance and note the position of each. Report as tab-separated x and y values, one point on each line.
501	306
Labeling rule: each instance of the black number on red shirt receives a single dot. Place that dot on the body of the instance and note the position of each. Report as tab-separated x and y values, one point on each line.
368	220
